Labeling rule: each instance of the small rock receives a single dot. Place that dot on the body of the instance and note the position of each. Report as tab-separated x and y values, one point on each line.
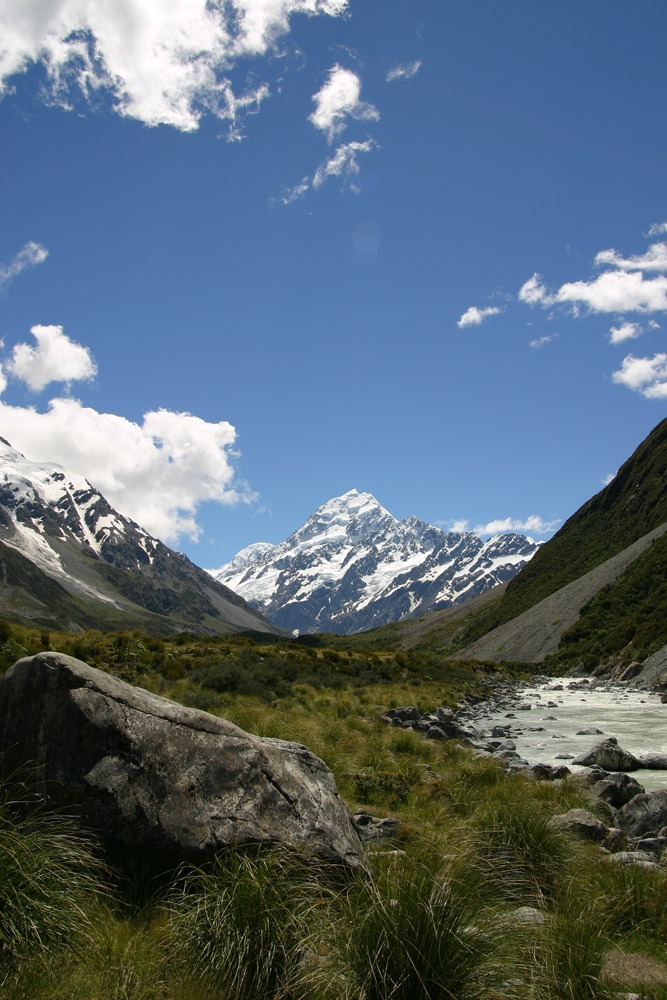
614	839
645	815
591	731
581	823
529	915
374	827
618	788
640	858
654	761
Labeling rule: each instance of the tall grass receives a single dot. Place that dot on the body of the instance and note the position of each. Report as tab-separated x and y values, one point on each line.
409	933
49	876
522	858
242	927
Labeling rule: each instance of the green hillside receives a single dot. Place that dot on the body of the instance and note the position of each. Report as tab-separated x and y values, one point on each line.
631	505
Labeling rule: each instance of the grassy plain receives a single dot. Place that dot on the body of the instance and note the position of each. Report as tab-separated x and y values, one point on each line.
441	912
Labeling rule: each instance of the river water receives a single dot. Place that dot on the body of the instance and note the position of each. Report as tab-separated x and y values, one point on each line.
547	731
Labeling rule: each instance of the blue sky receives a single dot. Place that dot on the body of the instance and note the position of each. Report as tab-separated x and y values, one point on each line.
412	248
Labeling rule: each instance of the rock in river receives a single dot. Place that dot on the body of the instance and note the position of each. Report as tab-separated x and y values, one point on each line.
610	756
144	771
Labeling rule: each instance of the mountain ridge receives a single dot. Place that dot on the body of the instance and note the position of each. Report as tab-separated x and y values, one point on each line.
64	551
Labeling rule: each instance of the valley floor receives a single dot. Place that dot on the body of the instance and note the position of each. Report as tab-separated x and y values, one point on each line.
478	897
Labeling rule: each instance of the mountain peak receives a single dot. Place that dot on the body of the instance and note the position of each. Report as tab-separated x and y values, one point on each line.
352	565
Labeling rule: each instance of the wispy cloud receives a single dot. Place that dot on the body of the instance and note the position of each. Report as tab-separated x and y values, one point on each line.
655	259
543	341
343	164
534	292
28	256
161	63
404	71
609	478
56	358
647	376
474	316
338	101
657	229
534	523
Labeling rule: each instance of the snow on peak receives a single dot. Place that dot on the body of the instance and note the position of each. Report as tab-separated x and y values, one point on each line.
353	565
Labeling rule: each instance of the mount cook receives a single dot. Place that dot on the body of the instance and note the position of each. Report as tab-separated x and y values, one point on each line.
353	566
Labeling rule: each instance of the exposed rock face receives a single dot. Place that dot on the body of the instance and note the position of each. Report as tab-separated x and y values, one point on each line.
144	771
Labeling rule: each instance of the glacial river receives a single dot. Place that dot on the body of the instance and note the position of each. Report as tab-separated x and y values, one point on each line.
559	708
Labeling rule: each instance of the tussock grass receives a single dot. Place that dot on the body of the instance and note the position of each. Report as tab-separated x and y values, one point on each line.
523	859
49	872
243	927
413	932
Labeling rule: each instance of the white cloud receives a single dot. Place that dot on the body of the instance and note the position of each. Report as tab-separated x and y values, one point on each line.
626	331
533	523
157	472
645	375
404	71
339	100
162	62
655	259
609	479
475	316
534	292
344	164
56	358
617	291
657	229
459	526
541	341
28	256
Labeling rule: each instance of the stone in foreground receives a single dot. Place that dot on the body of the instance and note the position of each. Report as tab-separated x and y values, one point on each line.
146	772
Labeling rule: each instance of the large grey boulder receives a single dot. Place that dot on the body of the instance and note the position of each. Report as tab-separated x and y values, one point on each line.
608	755
146	772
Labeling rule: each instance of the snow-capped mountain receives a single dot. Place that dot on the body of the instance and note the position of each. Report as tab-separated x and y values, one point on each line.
353	566
68	560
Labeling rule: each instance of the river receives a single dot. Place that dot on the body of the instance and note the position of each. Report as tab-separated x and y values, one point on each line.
561	707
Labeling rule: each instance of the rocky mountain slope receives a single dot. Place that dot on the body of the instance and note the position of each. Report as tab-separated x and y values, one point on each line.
537	632
353	566
69	561
594	596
